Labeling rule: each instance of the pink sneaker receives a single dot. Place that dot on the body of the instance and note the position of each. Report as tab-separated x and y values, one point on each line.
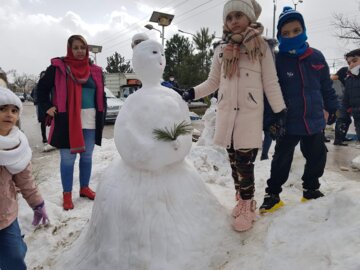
245	215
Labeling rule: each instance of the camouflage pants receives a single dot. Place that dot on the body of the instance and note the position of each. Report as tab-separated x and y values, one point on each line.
242	167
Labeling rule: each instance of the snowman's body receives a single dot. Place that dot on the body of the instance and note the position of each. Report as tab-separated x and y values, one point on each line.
152	210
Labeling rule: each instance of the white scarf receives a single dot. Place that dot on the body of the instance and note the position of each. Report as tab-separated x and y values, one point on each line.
15	152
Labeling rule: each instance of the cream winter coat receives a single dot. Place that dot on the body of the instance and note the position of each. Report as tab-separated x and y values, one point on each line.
240	105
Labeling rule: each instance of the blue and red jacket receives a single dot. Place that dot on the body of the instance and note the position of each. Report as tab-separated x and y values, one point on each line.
307	90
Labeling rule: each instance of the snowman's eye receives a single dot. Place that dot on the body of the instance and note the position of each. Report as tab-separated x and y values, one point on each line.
155	52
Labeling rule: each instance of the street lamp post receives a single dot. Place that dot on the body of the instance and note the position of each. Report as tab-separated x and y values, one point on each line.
163	20
151	27
298	2
181	31
274	15
95	49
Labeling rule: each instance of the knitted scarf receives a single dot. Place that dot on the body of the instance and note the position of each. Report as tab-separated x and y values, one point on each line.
250	39
15	152
78	73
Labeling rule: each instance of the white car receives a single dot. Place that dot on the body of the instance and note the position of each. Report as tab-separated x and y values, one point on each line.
114	105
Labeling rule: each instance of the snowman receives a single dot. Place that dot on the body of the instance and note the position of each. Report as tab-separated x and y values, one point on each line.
152	211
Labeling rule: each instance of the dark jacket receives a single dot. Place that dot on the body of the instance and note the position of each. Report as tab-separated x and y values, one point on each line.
352	92
307	90
52	92
33	94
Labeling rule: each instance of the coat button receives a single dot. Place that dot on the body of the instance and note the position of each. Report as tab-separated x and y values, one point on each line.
247	74
234	109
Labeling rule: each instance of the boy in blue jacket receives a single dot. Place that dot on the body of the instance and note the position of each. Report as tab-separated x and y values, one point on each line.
307	90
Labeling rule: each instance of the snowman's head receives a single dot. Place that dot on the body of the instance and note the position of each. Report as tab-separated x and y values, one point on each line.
149	62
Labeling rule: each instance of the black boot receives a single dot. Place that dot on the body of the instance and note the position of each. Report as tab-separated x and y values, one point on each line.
339	143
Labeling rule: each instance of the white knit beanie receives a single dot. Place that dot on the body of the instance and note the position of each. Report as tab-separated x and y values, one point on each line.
7	97
250	8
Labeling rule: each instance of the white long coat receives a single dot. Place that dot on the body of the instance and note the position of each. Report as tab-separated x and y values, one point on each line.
240	105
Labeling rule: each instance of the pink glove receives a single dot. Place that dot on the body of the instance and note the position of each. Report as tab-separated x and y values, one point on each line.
40	214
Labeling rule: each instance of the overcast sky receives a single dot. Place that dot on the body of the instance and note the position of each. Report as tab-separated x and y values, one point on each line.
34	31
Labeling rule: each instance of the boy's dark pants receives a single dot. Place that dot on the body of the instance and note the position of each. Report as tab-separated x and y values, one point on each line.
313	149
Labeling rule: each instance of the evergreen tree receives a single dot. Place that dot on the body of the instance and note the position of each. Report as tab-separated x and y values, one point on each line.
178	48
116	63
203	44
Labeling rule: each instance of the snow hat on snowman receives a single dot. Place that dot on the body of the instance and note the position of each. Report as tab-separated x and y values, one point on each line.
7	97
138	38
250	8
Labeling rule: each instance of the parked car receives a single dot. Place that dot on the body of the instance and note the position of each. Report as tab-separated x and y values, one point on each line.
21	96
114	105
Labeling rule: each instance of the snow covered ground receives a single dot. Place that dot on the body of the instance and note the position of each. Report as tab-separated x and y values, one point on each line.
321	234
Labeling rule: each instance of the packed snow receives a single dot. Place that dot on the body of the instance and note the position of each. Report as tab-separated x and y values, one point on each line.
320	234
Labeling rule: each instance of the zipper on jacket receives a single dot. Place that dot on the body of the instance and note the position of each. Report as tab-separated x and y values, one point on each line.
304	98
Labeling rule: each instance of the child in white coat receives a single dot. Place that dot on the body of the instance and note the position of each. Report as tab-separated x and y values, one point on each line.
15	174
243	70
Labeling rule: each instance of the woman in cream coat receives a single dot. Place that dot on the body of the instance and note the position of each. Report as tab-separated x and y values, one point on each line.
243	70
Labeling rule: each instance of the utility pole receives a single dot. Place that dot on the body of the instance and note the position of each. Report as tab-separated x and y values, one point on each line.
274	18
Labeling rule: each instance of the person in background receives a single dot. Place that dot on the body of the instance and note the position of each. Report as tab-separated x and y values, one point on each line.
243	70
72	94
15	175
267	122
344	119
351	100
173	82
40	116
306	86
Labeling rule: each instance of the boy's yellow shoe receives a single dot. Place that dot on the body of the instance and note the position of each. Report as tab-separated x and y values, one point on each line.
271	203
309	194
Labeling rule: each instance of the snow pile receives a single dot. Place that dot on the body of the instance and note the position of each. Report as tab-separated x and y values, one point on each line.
355	163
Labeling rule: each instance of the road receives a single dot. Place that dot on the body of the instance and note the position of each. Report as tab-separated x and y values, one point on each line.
338	156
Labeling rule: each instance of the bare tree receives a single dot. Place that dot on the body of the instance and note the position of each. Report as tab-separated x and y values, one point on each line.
348	29
22	83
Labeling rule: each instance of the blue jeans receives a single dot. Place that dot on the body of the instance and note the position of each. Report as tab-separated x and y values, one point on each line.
68	160
12	248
